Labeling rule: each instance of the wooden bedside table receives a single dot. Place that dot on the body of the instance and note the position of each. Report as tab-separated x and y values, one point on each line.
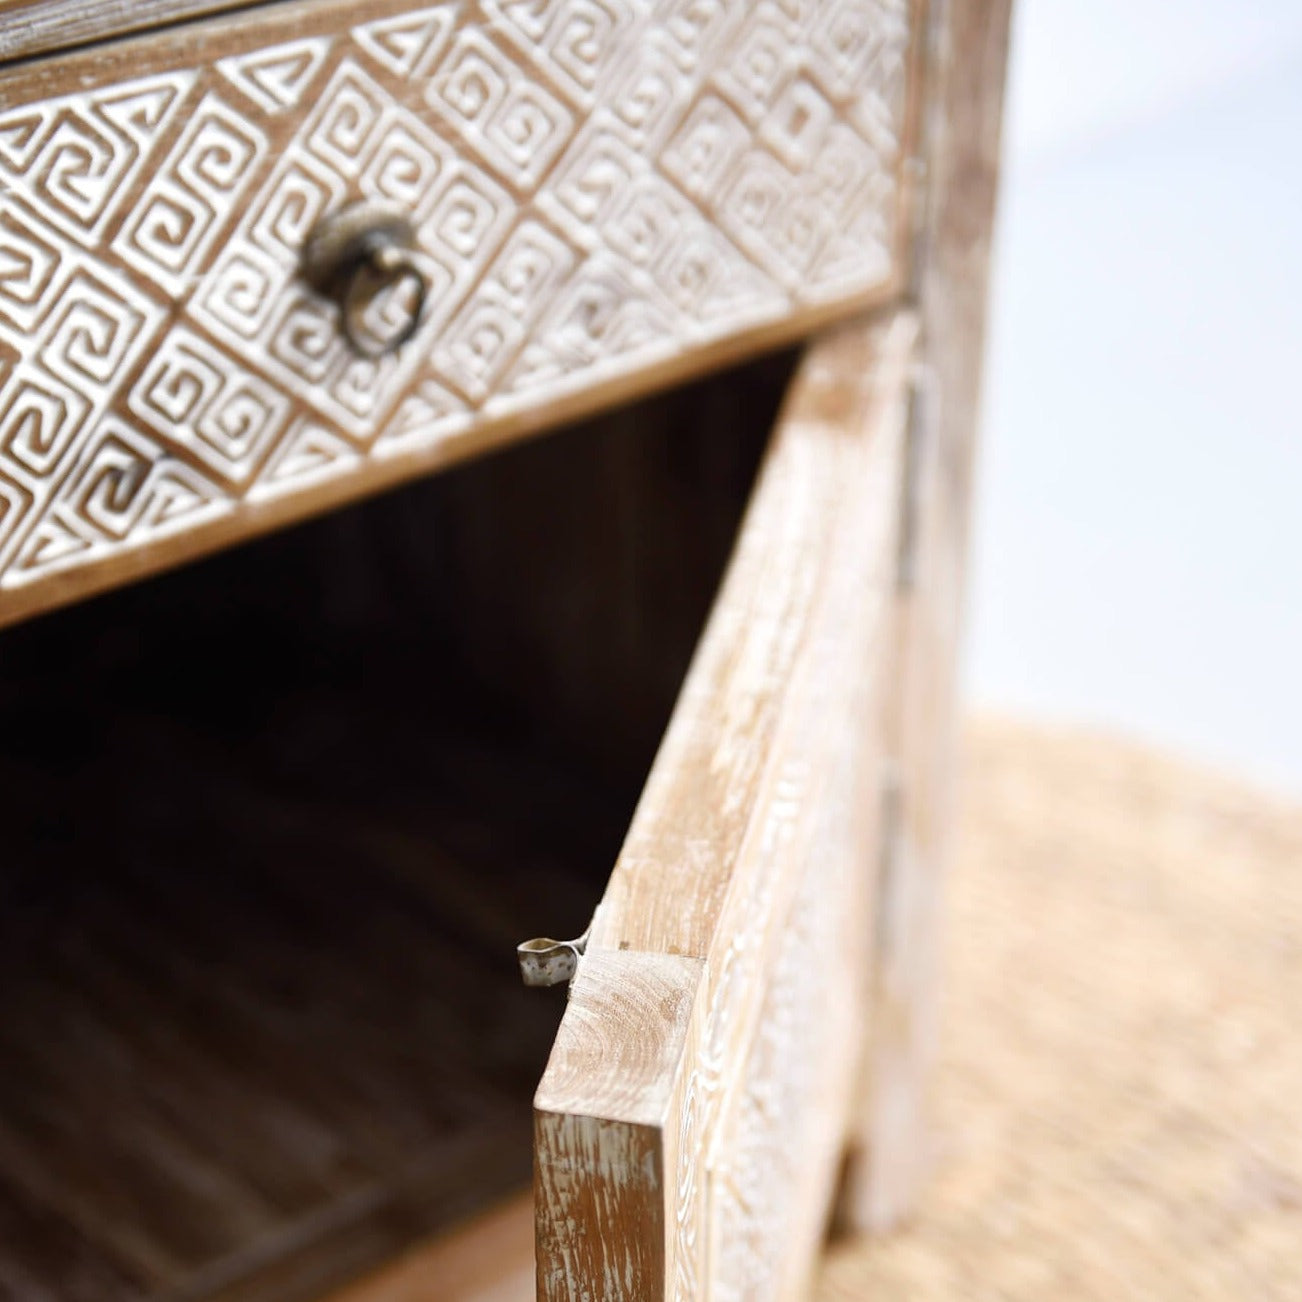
274	821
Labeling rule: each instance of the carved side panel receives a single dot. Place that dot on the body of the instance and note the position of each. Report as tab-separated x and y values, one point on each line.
774	1147
599	187
752	853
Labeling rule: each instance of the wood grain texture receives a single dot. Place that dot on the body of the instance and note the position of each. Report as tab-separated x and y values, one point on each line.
606	198
604	1188
747	870
32	27
970	43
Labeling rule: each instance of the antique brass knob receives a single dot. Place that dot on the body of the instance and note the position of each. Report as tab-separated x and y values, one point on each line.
362	257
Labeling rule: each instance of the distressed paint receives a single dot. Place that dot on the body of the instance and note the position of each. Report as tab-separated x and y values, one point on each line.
601	192
750	855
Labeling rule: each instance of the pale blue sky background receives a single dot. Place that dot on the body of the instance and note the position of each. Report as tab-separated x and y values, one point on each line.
1138	548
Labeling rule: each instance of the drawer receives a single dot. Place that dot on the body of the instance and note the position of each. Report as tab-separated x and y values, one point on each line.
603	197
269	841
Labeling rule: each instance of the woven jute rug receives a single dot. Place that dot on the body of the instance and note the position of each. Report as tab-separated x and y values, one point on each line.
1118	1099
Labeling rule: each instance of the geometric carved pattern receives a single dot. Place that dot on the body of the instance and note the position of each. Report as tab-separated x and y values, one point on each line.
596	186
276	78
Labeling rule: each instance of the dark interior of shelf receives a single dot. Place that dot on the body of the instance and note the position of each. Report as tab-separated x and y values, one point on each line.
272	825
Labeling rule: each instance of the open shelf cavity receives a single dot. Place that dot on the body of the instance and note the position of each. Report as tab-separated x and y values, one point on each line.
271	827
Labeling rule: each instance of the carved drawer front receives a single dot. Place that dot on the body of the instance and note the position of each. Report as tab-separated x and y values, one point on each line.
691	1124
605	194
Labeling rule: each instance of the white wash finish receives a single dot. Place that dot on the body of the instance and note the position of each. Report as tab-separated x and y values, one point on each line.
892	1158
691	1122
606	198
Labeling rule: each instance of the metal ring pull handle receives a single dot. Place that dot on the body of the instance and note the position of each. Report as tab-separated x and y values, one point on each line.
355	256
548	962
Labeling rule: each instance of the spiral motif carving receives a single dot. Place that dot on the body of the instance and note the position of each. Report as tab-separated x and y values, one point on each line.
595	186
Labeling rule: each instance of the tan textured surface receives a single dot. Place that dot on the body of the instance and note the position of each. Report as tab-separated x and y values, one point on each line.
1119	1102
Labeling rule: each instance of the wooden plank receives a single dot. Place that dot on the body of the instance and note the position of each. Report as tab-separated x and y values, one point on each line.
891	1157
713	1141
606	1213
627	203
32	27
675	874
